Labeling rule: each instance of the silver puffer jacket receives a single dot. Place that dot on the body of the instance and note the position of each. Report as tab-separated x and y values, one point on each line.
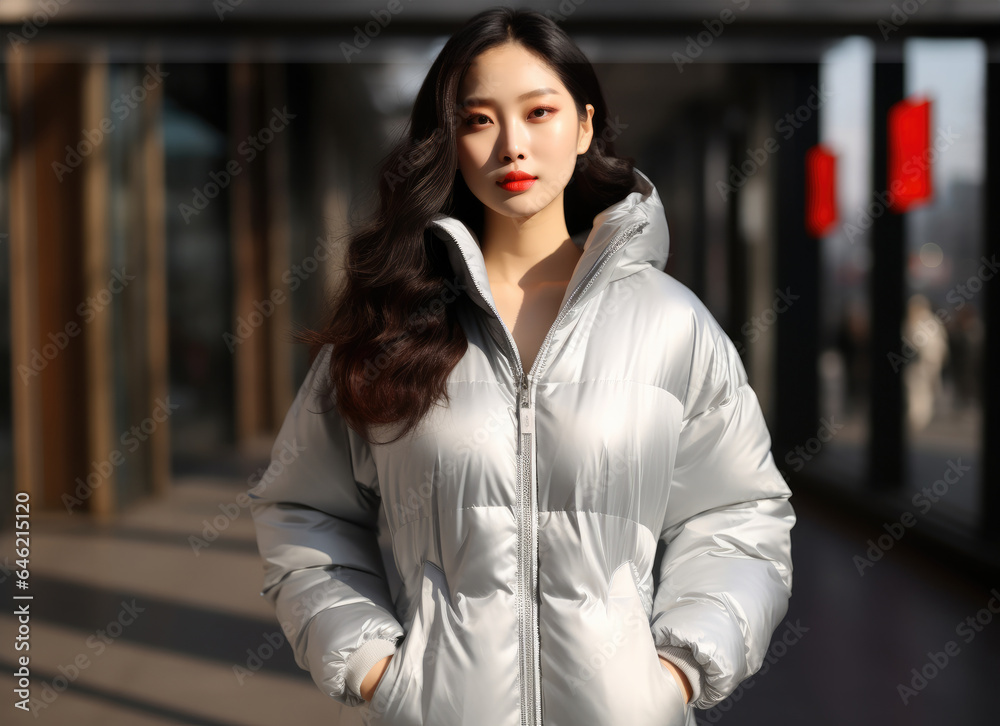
529	549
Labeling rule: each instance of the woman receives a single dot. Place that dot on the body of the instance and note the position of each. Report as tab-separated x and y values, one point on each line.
579	519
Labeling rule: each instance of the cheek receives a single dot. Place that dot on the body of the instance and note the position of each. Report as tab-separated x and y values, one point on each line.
462	149
557	142
472	154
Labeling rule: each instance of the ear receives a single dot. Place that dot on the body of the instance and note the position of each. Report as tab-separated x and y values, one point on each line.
586	131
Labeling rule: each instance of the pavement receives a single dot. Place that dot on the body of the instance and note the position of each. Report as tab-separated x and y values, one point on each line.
156	619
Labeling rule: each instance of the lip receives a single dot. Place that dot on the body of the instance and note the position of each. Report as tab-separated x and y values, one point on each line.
517	181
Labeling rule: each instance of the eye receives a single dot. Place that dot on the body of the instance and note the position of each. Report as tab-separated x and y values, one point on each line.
473	118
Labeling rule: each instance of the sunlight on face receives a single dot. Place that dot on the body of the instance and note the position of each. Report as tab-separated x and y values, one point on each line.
504	126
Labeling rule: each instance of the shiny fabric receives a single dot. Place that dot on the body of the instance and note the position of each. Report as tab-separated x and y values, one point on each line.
526	553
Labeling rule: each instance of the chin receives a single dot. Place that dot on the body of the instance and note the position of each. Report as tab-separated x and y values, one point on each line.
516	209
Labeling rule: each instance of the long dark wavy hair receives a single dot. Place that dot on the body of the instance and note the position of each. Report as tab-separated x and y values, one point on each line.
394	341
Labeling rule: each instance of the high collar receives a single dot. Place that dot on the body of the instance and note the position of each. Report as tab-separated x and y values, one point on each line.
633	232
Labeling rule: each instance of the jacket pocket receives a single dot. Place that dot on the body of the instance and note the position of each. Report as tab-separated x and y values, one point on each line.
654	697
398	697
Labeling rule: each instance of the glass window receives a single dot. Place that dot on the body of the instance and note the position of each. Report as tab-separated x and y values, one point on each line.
198	260
845	127
942	333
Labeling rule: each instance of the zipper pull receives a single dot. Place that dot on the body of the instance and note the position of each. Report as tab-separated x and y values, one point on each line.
526	411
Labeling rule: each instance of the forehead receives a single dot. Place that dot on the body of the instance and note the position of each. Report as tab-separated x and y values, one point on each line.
506	71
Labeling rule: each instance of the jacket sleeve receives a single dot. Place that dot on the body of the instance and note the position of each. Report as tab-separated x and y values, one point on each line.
315	511
725	576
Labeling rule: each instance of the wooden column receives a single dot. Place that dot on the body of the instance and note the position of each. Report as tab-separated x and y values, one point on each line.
50	364
155	276
26	391
261	243
247	230
100	390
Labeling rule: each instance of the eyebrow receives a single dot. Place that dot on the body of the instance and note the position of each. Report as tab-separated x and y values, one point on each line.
475	101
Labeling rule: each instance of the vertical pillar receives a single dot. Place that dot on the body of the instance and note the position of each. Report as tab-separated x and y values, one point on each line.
796	262
52	363
25	390
248	414
698	145
280	383
248	222
887	291
154	225
100	388
737	268
991	308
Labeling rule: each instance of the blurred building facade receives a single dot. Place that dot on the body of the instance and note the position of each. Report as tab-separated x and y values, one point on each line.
176	179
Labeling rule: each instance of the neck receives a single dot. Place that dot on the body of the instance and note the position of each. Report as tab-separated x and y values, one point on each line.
527	251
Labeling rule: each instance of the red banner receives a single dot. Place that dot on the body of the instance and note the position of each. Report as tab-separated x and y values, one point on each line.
821	190
909	171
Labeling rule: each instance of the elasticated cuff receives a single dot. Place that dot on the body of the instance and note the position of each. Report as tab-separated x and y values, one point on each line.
364	659
683	658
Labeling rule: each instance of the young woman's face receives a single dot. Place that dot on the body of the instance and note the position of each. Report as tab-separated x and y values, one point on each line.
506	125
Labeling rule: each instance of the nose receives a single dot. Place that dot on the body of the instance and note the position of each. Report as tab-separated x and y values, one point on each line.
510	143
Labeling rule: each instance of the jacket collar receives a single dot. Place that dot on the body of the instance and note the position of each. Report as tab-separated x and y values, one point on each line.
626	237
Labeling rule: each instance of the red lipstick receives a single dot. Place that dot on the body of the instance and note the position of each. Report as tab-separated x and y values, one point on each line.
517	181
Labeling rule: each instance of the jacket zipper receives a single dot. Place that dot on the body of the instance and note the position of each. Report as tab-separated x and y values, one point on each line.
527	554
526	417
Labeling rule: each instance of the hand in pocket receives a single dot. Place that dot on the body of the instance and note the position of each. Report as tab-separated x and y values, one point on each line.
371	680
679	676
